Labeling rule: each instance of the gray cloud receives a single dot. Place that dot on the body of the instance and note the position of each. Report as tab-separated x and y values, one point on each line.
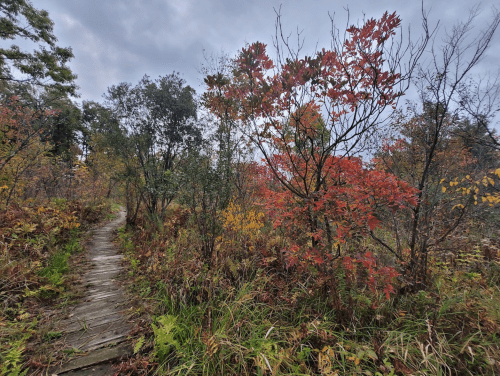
117	41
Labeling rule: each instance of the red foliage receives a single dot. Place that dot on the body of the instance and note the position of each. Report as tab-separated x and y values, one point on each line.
346	75
346	205
302	112
376	276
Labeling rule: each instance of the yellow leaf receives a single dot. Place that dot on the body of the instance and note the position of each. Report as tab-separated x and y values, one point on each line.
443	188
356	361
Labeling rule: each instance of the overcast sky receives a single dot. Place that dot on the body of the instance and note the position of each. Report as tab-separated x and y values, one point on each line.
119	41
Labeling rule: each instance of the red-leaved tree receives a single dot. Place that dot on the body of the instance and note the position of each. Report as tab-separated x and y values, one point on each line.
307	116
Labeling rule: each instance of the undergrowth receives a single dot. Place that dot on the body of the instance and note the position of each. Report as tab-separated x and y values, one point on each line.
244	313
37	241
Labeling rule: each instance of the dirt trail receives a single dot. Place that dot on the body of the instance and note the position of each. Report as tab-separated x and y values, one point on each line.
97	326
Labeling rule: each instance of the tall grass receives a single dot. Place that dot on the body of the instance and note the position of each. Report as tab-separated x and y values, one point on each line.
246	316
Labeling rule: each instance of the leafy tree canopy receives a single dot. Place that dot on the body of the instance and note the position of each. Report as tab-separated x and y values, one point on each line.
45	66
157	124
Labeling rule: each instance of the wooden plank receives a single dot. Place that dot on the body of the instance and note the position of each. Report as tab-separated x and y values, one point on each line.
103	295
115	335
102	259
102	275
89	307
99	330
95	321
103	355
109	283
105	269
94	316
98	289
100	318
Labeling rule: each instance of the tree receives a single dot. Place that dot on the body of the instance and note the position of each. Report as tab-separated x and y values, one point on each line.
308	115
24	126
65	127
105	166
230	147
20	144
30	82
406	158
349	205
426	139
202	194
96	119
156	124
476	138
44	67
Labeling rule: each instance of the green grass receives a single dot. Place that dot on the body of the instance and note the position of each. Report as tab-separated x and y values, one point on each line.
451	329
116	207
58	265
240	316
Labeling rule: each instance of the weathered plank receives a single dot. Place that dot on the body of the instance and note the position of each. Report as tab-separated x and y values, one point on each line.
99	330
97	340
78	366
83	319
98	321
103	319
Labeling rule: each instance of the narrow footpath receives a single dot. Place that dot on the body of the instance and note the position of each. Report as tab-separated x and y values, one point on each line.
97	327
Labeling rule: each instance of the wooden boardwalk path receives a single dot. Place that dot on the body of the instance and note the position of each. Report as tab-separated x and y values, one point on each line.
97	326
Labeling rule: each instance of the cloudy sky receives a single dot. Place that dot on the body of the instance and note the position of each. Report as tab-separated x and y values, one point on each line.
121	40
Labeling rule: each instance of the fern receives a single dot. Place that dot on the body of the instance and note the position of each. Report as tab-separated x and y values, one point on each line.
12	361
164	336
138	345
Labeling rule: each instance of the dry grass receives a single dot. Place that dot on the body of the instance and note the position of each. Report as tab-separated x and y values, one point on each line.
246	315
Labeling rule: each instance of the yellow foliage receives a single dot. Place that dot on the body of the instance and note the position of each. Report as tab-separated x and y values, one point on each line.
325	361
240	224
473	188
